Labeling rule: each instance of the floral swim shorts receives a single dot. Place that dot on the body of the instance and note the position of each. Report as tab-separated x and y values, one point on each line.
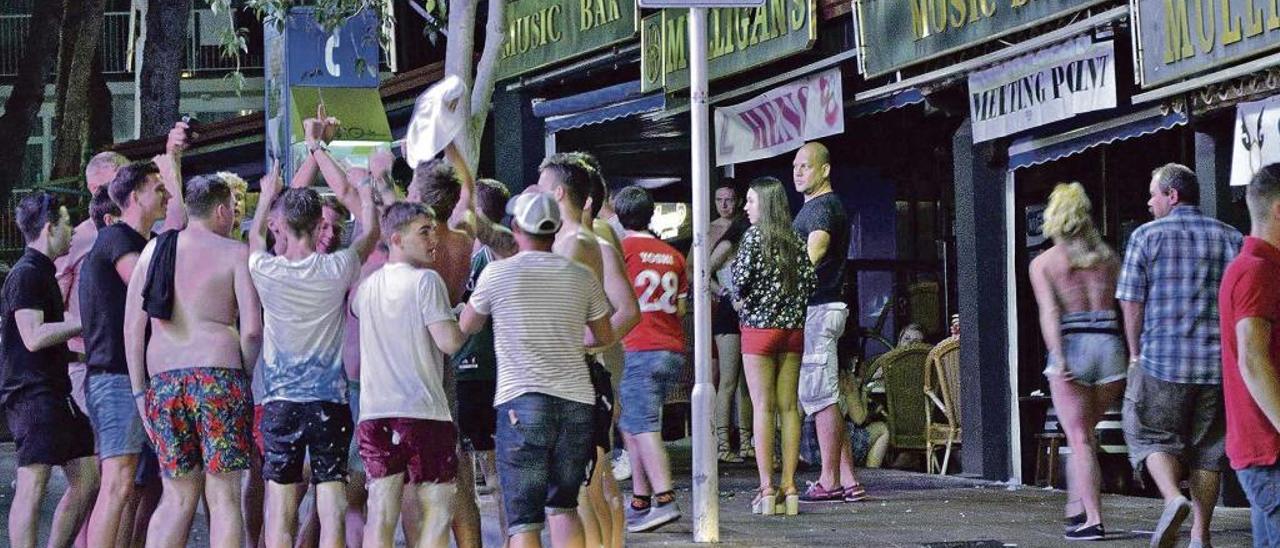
200	418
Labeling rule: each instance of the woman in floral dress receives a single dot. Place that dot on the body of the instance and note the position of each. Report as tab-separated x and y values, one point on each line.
772	280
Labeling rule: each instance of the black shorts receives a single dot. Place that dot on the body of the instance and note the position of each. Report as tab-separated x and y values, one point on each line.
291	431
724	319
477	419
48	430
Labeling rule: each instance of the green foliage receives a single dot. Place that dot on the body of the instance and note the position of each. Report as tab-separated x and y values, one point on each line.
331	14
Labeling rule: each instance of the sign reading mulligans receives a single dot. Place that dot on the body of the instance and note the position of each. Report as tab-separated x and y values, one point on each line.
1178	38
1050	85
780	120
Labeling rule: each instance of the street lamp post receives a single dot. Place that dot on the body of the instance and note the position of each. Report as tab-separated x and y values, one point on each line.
706	480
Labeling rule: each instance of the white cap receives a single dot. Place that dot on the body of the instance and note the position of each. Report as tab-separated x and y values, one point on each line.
437	119
535	213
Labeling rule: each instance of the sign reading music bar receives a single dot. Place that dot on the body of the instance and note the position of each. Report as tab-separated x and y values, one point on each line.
542	32
892	34
1178	38
738	39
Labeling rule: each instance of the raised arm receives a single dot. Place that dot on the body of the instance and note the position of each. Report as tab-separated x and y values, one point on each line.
175	216
269	188
250	308
463	214
364	242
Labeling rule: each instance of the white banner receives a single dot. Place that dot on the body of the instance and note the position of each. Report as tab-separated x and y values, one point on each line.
1046	86
1257	138
780	120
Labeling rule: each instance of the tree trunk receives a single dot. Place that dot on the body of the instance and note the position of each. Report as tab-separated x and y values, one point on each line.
460	61
101	111
72	12
72	130
163	58
23	105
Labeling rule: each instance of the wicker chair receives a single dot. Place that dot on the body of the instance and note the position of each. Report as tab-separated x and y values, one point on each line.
942	387
903	376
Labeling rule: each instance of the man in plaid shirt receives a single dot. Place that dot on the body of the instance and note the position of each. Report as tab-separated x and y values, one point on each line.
1168	289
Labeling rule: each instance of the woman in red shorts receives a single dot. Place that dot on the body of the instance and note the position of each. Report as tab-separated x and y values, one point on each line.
772	280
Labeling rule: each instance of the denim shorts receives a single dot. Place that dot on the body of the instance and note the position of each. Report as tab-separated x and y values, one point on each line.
114	415
646	379
1094	347
1262	485
543	449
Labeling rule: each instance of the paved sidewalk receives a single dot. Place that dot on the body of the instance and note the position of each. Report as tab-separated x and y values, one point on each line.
906	509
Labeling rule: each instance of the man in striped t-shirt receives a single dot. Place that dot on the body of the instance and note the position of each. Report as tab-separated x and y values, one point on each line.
540	302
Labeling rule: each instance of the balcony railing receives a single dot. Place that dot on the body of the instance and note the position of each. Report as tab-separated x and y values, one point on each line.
203	48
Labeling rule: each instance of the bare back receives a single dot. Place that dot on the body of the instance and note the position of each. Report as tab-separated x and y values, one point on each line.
453	262
1078	290
202	331
581	246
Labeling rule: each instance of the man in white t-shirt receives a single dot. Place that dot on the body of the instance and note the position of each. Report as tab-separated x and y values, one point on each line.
305	411
406	432
540	302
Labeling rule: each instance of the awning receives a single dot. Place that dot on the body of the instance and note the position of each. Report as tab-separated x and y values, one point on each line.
599	106
911	96
1071	137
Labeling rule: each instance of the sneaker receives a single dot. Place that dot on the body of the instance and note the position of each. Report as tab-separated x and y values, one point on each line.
1166	533
621	466
817	493
636	515
1092	532
1072	522
855	493
657	516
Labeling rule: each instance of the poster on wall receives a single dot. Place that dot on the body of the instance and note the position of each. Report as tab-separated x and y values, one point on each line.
780	120
1053	84
1257	138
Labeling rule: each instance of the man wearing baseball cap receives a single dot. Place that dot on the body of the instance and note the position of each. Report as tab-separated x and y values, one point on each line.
539	302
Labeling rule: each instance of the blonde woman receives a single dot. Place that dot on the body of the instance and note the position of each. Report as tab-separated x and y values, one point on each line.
1075	286
772	281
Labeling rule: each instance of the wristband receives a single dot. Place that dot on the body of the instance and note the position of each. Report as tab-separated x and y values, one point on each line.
137	395
318	145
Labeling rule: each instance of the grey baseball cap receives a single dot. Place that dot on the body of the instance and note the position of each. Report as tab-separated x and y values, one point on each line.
535	213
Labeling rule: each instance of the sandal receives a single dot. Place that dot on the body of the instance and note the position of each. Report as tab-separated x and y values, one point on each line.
747	449
765	501
855	493
790	503
724	452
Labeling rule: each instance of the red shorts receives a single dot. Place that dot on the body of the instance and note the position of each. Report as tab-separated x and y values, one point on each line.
425	451
257	429
768	342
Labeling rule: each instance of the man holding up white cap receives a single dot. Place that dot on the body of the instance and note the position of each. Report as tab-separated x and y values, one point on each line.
540	302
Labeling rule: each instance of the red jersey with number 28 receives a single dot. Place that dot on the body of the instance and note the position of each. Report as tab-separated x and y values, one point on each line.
658	275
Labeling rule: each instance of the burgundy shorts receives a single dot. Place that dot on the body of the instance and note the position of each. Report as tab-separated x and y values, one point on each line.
425	451
768	342
257	429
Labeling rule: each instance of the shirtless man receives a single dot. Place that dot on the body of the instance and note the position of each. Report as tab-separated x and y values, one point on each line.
145	193
193	287
569	180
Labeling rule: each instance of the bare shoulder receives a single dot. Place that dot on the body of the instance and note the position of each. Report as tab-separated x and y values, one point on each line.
1049	261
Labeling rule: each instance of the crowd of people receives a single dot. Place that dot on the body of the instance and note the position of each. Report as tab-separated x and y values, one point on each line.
1197	323
314	388
311	387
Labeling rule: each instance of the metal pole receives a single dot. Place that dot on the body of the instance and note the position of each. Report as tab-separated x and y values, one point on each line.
706	483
